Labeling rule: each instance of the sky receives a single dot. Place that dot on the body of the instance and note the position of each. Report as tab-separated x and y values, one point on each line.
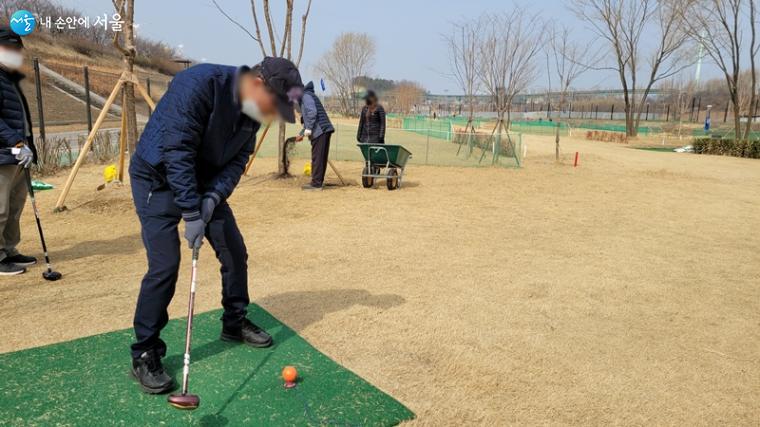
408	33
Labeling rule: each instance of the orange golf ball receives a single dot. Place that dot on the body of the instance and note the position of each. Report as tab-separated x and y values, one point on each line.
289	374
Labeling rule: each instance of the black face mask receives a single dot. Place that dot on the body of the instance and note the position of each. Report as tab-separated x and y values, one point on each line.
369	102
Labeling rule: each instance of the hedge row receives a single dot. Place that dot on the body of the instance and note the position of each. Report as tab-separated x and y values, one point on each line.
727	147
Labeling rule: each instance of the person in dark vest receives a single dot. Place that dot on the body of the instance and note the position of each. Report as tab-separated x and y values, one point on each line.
17	152
318	129
372	121
187	163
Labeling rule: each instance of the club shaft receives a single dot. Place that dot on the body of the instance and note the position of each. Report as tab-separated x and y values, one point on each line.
37	216
189	331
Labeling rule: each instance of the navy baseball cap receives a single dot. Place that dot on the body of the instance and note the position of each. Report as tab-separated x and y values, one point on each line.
9	38
283	78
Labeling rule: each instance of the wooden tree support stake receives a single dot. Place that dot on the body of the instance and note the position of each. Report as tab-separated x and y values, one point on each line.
123	79
340	177
256	151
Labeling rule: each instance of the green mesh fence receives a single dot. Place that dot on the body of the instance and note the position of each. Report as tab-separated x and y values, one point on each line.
542	127
442	148
545	127
441	128
642	130
725	132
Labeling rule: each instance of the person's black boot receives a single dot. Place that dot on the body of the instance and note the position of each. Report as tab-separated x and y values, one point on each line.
149	372
248	333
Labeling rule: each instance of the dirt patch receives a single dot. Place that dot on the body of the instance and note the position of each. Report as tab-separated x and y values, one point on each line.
613	293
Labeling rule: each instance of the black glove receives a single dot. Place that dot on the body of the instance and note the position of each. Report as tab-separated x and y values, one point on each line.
208	204
194	231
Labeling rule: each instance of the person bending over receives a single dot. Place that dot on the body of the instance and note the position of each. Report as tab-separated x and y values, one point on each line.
316	127
372	121
189	160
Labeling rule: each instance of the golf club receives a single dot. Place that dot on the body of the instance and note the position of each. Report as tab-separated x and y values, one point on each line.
185	400
49	274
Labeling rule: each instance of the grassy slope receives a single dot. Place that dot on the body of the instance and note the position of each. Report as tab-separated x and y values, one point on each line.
61	111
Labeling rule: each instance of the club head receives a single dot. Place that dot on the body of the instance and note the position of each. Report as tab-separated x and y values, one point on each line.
184	401
51	275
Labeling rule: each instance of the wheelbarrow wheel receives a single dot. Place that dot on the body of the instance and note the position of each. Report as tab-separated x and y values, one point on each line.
367	182
392	181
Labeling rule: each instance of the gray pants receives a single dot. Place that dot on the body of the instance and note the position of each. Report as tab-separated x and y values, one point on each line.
12	199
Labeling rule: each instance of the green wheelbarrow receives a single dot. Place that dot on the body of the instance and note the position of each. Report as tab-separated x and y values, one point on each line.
377	157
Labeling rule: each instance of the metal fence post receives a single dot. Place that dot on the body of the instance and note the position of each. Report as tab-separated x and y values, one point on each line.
40	112
667	114
612	112
87	101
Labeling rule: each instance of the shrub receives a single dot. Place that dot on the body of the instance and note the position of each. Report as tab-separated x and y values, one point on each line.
727	147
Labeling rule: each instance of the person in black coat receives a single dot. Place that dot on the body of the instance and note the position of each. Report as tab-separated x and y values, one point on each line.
188	162
17	152
372	121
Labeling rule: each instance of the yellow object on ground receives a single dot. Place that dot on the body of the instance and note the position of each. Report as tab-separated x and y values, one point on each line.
307	169
109	173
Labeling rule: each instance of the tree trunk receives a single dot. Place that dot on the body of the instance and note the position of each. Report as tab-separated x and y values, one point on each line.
737	121
128	100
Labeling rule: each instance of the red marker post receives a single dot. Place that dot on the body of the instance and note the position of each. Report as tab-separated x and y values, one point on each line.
575	164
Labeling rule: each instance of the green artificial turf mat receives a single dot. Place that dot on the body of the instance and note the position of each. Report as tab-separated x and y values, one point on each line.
86	382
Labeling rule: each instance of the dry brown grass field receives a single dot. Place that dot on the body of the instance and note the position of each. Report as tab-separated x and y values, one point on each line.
625	291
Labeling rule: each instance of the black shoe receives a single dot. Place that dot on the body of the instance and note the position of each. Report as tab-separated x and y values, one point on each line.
10	269
249	334
309	187
149	371
21	260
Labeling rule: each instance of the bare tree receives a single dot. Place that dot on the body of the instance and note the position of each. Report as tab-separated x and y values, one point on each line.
463	43
629	28
406	95
567	59
508	51
721	27
284	51
350	57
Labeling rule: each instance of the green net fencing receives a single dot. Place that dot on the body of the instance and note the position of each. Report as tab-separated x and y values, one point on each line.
540	127
428	147
545	127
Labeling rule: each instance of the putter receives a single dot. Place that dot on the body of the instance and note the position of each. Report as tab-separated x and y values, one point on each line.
49	274
184	400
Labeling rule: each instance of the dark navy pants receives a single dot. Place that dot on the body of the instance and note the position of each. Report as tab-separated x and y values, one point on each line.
320	149
159	218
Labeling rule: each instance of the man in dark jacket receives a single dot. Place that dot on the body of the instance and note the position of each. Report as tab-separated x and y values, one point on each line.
372	121
17	152
189	159
316	127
